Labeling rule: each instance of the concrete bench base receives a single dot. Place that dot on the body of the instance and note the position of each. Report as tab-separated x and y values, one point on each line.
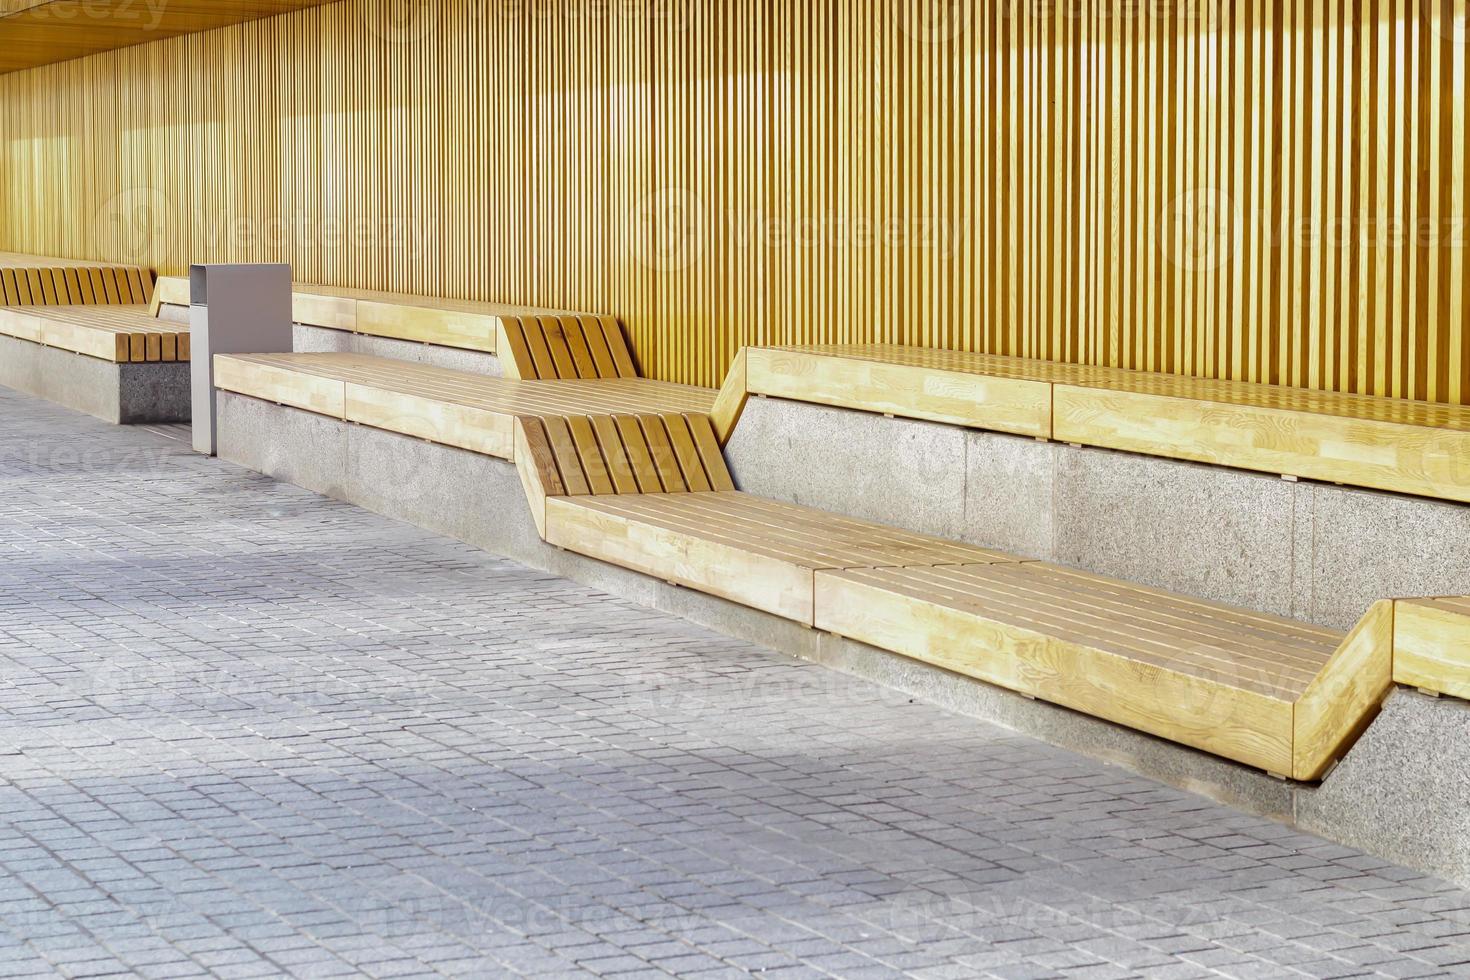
123	394
479	500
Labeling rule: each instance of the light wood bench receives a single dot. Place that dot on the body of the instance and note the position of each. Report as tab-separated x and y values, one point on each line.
120	334
1381	443
29	281
1271	693
1265	691
1432	645
531	344
454	408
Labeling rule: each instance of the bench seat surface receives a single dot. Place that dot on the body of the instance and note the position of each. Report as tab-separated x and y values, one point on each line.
122	334
1431	651
759	552
458	408
1225	680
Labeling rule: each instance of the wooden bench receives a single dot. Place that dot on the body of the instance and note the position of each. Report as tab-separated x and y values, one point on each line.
454	408
120	334
531	344
1278	695
28	281
1432	645
1381	443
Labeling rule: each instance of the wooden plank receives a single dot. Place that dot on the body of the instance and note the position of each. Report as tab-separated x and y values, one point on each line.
84	283
662	453
536	467
73	286
244	376
577	345
690	465
542	366
1243	725
170	347
152	347
730	402
568	462
617	346
135	291
619	468
515	356
172	291
602	357
594	467
636	445
772	585
99	286
327	312
111	288
556	342
1431	645
715	468
978	401
1383	455
11	295
428	325
1345	697
20	324
435	420
78	338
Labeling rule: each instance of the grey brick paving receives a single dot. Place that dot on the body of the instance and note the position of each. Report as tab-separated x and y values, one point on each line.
251	732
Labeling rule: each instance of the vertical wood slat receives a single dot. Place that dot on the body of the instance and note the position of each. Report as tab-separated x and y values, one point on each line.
1251	190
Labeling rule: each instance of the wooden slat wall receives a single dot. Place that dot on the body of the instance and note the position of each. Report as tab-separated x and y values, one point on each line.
1268	191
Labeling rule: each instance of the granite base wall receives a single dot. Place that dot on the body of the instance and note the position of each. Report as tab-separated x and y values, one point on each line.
123	394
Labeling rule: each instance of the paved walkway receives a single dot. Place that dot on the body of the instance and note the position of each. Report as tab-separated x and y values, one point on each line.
249	731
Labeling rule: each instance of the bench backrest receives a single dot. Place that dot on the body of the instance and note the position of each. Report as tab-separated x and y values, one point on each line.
564	347
75	285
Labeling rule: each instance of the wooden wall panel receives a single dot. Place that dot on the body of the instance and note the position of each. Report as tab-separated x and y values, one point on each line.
1269	190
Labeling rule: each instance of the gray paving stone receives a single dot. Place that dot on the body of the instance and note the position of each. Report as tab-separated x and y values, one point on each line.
248	730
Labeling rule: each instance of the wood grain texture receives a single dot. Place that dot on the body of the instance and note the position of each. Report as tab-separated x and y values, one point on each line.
262	379
1345	697
757	552
453	408
30	280
1180	669
1431	645
121	334
936	393
1262	192
1402	456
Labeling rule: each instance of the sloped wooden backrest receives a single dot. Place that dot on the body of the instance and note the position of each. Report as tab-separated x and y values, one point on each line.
565	348
75	285
601	455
